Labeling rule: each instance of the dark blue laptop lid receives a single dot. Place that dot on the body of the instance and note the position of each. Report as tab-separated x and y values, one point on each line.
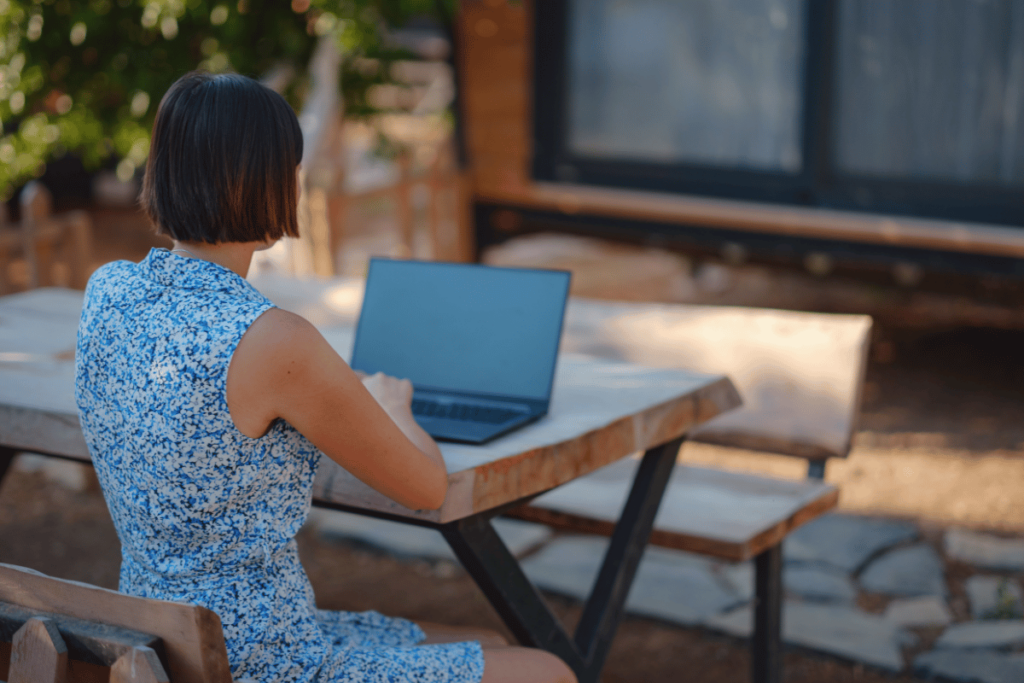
464	328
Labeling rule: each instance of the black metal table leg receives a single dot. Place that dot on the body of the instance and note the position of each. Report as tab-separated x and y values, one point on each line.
816	469
496	570
520	605
766	646
6	459
603	611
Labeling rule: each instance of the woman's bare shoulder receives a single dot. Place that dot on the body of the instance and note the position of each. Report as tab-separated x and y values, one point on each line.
277	347
279	331
277	355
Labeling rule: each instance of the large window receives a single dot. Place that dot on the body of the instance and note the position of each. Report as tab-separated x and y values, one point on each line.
904	106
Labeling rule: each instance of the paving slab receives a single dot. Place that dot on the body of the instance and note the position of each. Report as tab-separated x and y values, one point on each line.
970	667
740	579
811	582
928	610
836	629
994	597
798	551
908	638
411	541
818	583
1000	634
985	550
671	585
845	541
915	570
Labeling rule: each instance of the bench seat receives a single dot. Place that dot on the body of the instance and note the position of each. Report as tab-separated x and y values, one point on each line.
728	515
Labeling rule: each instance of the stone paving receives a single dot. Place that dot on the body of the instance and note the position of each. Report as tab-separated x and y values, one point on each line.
868	590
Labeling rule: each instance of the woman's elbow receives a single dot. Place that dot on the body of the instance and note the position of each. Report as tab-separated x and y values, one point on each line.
432	494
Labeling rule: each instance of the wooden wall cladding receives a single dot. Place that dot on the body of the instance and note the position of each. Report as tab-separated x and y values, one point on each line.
495	72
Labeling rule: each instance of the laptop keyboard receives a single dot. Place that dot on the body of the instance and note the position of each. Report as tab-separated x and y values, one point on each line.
462	411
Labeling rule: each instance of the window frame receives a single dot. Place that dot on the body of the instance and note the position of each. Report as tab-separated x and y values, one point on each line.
818	184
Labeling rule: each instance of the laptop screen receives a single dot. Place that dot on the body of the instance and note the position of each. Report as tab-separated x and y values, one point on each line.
457	327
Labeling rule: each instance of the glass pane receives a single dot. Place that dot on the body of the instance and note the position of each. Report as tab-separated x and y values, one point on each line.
931	90
702	81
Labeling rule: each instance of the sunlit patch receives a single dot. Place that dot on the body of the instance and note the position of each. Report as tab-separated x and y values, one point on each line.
325	23
169	28
347	298
209	46
78	33
62	104
139	151
150	15
219	15
35	27
140	103
217	63
125	170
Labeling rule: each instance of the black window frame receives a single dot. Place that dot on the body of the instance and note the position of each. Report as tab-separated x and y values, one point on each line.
817	184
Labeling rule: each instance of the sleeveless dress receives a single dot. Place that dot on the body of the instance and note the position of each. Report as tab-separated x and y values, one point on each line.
205	514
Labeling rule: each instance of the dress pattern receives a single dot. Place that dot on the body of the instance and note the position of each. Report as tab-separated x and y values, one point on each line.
205	514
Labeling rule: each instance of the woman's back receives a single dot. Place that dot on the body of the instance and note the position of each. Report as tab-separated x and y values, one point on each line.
160	335
205	514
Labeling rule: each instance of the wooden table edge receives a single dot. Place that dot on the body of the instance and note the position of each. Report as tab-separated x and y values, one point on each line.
653	426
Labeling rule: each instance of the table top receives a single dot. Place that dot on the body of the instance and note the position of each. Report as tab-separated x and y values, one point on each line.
800	374
600	412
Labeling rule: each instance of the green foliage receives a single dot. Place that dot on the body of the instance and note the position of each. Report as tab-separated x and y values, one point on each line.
1007	603
85	76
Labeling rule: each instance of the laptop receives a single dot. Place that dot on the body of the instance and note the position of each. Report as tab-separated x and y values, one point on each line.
478	343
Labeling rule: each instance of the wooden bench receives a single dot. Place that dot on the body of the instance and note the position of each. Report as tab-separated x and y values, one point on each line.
800	376
57	631
55	249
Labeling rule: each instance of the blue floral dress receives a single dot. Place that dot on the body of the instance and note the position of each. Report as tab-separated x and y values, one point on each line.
205	514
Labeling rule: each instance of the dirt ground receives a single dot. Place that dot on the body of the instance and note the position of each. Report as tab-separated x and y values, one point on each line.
941	442
69	534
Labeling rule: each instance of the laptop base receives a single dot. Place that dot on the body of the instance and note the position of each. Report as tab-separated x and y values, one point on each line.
462	431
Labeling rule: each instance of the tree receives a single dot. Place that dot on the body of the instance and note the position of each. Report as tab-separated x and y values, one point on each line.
83	77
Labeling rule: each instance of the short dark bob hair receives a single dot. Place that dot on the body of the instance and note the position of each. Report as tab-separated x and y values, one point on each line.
222	162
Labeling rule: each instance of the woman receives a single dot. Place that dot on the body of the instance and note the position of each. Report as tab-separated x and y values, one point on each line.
206	410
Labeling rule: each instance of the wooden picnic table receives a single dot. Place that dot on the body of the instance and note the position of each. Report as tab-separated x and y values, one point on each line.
601	412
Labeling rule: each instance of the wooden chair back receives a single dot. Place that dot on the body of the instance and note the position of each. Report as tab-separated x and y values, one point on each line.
58	631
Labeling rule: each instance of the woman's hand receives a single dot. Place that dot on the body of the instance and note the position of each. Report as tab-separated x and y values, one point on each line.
394	395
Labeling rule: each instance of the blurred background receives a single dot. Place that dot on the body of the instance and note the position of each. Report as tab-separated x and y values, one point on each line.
841	155
80	83
833	156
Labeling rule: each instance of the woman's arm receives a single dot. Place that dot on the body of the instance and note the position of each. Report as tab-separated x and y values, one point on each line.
284	368
395	397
